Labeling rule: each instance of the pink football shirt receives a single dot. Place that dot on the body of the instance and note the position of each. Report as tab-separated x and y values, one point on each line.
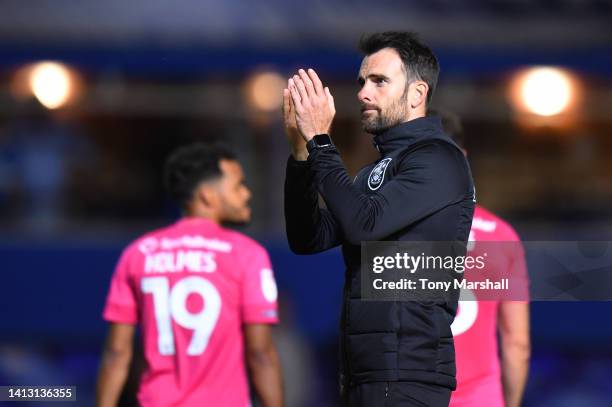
191	287
475	326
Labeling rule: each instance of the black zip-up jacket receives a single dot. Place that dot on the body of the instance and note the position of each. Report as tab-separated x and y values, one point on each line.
421	189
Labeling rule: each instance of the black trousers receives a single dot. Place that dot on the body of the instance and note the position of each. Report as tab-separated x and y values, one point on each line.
397	394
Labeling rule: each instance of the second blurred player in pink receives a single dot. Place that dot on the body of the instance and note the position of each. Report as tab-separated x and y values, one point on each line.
491	372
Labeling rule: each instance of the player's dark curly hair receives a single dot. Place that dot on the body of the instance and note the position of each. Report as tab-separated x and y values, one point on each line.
420	63
189	166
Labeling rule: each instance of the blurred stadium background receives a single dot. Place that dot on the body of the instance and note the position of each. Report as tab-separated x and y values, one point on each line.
93	95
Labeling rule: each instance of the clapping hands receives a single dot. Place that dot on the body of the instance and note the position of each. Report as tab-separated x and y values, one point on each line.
308	106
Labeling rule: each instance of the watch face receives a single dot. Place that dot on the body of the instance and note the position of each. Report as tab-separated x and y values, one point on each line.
322	140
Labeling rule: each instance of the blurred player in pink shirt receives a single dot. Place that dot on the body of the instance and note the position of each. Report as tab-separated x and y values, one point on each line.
203	296
482	379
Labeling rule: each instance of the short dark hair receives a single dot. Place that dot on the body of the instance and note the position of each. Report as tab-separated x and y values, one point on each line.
191	165
419	61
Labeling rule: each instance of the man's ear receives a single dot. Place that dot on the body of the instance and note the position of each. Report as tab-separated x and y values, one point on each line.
208	195
419	95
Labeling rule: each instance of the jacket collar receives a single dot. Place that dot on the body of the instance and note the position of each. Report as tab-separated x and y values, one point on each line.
408	133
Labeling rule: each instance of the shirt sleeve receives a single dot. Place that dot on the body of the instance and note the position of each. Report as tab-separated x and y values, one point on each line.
121	304
431	178
310	229
517	269
259	291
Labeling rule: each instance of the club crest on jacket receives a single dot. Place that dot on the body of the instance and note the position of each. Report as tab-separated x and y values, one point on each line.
377	175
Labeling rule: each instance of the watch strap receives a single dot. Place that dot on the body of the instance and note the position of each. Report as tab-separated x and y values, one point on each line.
319	141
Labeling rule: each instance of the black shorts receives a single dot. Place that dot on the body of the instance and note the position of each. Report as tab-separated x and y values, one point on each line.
397	394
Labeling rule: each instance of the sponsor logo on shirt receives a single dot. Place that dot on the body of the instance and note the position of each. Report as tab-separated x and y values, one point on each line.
377	175
484	225
151	244
148	245
196	242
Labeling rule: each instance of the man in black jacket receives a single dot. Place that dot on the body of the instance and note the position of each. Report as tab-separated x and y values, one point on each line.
394	353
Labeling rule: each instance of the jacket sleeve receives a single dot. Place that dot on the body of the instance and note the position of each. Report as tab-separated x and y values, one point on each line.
310	229
429	178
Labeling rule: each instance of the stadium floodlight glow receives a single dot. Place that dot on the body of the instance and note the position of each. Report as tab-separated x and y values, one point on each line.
51	83
264	91
544	91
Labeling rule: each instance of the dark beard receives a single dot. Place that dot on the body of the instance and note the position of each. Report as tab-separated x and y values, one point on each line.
383	122
380	124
